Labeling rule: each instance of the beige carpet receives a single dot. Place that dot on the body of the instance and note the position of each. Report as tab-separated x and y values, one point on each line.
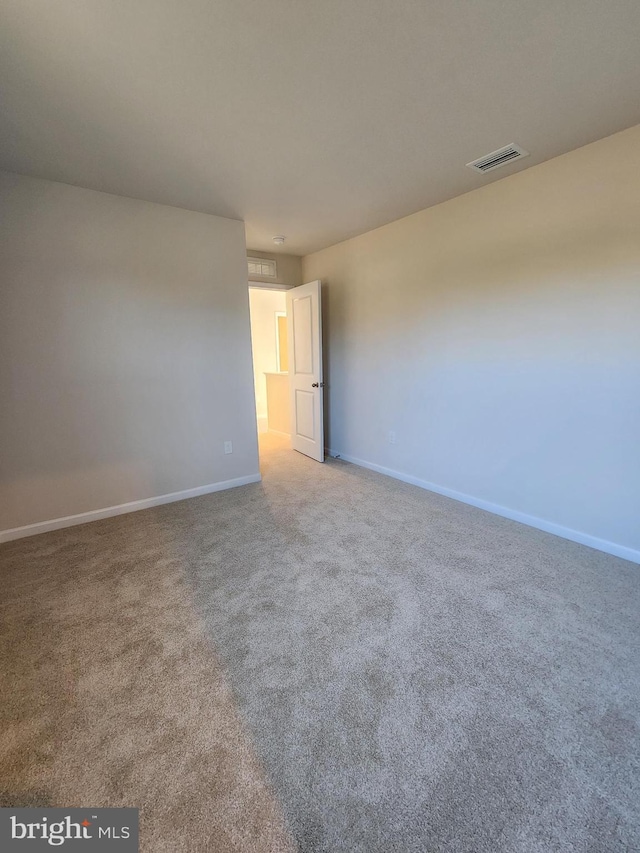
111	695
329	661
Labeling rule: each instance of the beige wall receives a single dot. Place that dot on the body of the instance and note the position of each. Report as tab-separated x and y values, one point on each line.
288	267
278	403
125	357
498	335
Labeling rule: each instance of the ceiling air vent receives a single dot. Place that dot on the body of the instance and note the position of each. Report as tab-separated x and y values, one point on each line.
498	158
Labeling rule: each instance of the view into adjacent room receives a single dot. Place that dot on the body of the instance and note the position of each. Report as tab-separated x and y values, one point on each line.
270	359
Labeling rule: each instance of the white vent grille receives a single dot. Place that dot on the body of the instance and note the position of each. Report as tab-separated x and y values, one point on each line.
262	267
498	158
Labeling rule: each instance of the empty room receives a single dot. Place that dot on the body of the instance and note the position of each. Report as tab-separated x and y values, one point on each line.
320	426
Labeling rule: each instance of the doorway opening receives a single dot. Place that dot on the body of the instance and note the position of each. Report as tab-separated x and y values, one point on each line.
286	339
270	347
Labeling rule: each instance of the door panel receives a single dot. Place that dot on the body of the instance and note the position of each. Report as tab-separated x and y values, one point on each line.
303	335
304	320
304	413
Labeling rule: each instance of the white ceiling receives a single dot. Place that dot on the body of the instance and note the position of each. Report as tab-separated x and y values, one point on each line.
317	119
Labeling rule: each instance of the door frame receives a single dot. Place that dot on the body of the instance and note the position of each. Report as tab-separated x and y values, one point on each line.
262	285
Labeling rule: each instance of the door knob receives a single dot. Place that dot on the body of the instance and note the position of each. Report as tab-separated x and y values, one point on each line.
317	384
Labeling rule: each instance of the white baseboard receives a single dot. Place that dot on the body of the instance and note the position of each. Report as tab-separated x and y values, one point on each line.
531	520
121	509
279	432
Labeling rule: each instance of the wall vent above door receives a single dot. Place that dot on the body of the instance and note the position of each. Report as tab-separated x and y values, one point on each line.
498	158
262	267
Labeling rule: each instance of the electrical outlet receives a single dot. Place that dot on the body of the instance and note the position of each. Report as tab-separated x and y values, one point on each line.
228	447
392	437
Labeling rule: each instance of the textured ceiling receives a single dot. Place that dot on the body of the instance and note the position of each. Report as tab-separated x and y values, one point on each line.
317	120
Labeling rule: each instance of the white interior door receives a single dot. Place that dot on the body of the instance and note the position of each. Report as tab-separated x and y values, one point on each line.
304	324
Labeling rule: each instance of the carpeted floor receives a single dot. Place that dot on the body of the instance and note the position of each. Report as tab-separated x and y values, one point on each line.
329	661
